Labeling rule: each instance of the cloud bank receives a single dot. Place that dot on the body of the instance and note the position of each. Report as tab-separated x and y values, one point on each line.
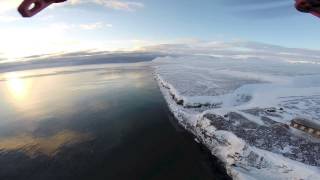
244	50
112	4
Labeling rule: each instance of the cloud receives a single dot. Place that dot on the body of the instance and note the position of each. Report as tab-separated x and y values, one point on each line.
113	4
93	26
8	5
89	26
261	9
8	18
50	38
244	50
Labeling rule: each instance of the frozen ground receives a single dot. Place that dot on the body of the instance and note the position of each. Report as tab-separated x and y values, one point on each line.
240	107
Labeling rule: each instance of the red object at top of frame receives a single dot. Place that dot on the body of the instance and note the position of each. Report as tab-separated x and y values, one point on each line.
29	8
308	6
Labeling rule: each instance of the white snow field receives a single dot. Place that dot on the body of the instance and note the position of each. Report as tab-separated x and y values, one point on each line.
239	102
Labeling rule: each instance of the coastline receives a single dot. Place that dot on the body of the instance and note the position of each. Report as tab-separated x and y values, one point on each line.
215	164
240	160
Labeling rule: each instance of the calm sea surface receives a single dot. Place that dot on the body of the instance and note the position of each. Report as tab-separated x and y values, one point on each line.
93	123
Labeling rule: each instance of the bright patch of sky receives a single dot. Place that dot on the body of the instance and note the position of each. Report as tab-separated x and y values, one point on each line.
131	24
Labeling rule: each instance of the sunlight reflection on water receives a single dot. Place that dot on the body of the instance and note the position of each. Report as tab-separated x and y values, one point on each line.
33	146
33	97
18	88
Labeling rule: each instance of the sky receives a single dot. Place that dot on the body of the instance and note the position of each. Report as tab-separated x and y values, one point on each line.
131	25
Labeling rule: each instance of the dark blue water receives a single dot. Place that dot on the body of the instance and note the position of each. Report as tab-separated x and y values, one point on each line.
95	124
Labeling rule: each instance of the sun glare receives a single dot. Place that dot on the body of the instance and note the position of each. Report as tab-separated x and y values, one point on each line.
18	87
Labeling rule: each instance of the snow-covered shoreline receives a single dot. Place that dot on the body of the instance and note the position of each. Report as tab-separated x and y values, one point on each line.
222	115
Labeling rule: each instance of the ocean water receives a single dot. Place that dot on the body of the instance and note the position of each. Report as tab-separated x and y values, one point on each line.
95	123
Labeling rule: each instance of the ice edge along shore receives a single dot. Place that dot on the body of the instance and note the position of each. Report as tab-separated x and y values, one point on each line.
241	160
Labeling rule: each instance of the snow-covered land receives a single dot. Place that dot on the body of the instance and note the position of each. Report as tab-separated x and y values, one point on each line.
239	102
